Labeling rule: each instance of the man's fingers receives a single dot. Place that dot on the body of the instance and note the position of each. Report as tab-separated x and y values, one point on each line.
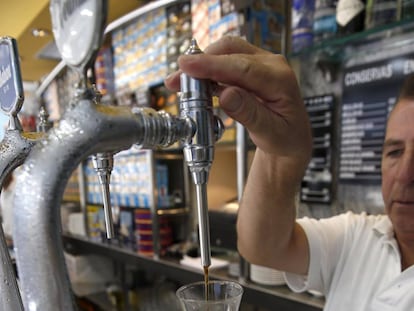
231	61
244	107
231	45
264	125
240	70
172	81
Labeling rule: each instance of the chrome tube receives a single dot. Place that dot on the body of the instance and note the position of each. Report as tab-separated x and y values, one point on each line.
85	129
103	164
241	152
14	149
9	291
196	103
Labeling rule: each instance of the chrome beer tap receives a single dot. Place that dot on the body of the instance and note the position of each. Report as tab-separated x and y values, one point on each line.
85	129
196	103
89	128
14	149
43	124
103	163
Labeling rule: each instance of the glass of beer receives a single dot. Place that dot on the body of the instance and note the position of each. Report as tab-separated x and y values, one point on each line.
213	296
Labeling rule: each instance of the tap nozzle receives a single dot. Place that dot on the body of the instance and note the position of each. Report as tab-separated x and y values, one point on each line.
103	165
196	103
44	124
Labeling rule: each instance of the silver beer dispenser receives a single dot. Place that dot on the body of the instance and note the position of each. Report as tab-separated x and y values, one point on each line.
14	148
89	128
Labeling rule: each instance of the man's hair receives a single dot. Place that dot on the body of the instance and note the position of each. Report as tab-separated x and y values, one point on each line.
406	92
407	88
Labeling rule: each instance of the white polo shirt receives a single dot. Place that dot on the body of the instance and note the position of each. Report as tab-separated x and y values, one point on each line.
355	261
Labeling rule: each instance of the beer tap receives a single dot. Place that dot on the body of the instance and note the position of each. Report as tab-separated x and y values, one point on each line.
14	149
43	124
81	58
103	164
89	128
85	129
196	103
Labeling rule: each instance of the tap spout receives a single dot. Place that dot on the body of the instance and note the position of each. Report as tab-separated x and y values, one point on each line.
103	164
85	129
196	103
14	149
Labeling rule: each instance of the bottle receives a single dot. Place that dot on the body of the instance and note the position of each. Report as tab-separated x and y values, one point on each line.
302	24
381	12
324	24
350	16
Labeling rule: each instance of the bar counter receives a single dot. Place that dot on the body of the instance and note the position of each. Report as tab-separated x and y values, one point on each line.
268	297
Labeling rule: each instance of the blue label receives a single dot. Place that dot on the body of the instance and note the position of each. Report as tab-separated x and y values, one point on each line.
11	90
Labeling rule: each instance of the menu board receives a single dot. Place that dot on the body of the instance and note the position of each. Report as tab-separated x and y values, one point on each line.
369	93
317	183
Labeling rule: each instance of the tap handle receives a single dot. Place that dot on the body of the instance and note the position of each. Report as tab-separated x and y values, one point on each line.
11	88
196	103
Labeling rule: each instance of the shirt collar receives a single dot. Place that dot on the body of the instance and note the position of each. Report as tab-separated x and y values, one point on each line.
385	230
384	227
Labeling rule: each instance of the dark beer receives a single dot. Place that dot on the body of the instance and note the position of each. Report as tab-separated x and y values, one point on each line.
205	282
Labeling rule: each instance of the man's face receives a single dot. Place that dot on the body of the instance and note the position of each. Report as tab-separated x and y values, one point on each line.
398	169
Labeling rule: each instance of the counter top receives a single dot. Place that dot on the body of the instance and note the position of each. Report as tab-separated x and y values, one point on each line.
259	295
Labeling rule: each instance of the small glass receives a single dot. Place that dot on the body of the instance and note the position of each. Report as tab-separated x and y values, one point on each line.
222	296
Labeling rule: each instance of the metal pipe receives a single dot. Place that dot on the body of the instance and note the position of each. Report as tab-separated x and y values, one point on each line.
241	152
85	129
155	223
9	291
14	148
204	225
103	163
196	103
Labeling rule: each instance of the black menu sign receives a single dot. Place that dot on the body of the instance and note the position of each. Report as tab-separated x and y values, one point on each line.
317	183
369	93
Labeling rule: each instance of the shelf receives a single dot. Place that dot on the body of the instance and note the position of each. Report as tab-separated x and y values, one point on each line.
271	297
173	211
393	33
169	154
160	211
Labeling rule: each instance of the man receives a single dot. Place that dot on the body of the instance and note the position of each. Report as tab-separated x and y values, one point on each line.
359	262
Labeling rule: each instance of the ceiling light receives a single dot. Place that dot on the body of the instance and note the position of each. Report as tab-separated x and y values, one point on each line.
39	32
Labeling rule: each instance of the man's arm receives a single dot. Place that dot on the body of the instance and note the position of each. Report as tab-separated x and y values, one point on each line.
267	232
